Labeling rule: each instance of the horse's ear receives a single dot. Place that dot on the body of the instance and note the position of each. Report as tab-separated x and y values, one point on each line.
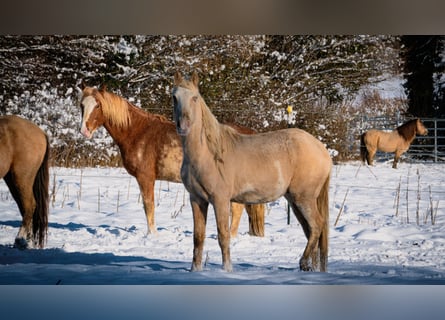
103	88
177	78
195	78
80	87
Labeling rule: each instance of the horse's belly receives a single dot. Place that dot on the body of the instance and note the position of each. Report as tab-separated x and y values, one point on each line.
253	194
388	142
387	147
253	198
262	184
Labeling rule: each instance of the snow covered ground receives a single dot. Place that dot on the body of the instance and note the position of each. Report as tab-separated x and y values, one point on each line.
97	233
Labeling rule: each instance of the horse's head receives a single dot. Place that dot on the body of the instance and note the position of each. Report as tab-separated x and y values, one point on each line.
185	102
420	128
92	114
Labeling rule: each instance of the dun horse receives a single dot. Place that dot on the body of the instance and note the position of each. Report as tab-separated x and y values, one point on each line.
150	149
24	151
221	165
397	141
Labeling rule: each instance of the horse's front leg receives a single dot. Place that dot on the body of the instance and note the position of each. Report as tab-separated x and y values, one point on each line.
222	212
199	208
236	210
396	159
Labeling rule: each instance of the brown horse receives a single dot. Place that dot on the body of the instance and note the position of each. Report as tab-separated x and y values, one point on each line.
221	165
397	141
24	151
150	149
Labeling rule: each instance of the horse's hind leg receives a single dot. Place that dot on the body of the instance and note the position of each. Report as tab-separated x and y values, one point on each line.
370	156
256	218
256	214
21	190
147	191
311	222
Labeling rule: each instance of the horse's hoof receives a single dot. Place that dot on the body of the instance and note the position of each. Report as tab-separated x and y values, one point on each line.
152	232
195	268
305	266
228	268
21	243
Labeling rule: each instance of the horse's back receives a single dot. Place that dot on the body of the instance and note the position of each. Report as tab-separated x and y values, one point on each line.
21	127
274	160
294	143
6	147
21	141
311	159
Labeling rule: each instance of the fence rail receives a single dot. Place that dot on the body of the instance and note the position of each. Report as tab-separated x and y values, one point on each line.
431	146
424	148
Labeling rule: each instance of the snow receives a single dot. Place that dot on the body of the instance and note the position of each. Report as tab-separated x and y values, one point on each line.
97	233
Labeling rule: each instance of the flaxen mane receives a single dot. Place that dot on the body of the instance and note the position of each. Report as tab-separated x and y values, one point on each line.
408	130
114	108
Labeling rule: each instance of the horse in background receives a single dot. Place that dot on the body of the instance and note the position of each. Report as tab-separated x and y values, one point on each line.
397	141
150	149
221	165
24	154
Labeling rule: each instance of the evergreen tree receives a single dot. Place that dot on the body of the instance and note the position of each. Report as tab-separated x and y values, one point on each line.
422	69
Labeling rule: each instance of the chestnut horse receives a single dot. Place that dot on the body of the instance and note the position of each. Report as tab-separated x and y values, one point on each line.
397	141
24	152
150	149
221	165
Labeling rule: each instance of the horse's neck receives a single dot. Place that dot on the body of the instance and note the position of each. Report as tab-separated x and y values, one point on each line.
408	138
195	145
204	142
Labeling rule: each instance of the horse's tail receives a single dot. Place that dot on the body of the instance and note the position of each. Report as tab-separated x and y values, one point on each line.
40	190
256	219
323	207
363	149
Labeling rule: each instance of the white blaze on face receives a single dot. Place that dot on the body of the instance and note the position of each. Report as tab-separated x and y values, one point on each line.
89	103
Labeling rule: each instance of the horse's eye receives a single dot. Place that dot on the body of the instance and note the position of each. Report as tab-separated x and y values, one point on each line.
195	98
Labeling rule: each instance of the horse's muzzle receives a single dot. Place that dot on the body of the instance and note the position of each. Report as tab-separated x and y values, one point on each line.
86	132
183	127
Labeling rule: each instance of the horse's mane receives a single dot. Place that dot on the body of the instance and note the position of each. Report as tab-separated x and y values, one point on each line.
116	109
220	137
408	130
